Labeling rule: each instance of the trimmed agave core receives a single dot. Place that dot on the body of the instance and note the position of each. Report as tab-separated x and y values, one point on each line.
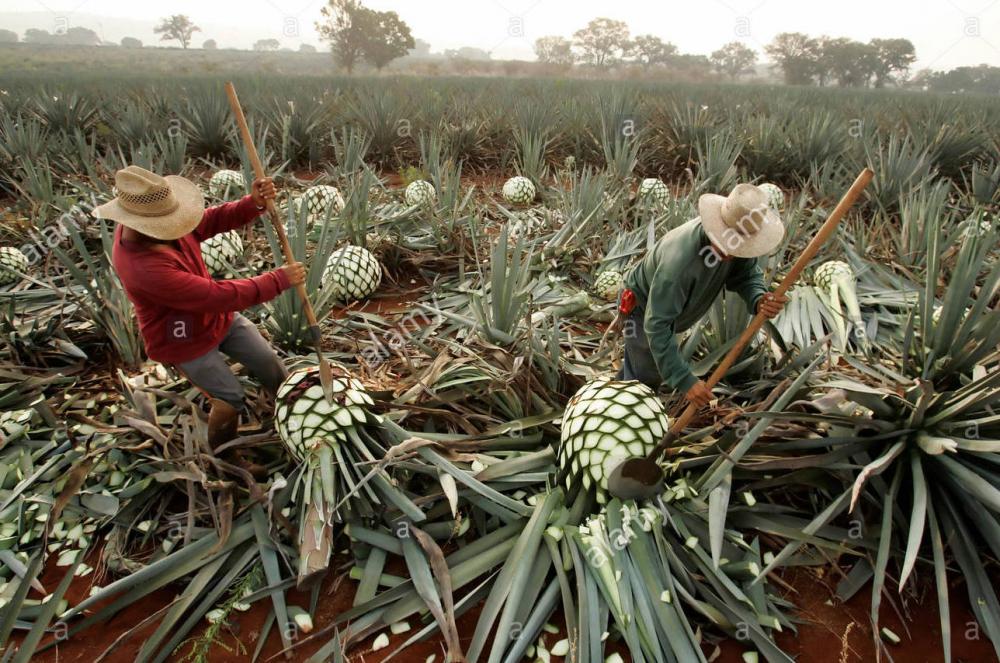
519	190
608	284
605	422
353	273
225	181
305	419
219	251
12	261
420	192
322	200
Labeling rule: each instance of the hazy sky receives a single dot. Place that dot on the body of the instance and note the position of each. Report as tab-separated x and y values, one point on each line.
947	33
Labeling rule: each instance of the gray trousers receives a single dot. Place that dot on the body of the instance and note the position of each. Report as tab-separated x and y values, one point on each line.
242	342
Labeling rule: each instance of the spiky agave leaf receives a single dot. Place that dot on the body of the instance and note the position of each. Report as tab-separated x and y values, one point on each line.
605	422
928	485
650	566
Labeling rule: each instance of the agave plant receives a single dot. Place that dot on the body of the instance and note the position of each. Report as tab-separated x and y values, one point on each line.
934	437
97	291
284	316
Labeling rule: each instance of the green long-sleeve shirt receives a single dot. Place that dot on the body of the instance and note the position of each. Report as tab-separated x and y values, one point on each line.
676	283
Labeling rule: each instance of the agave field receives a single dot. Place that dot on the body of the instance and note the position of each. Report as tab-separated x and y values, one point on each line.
466	241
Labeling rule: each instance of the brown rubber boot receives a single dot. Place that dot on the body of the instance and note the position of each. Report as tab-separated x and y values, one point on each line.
223	422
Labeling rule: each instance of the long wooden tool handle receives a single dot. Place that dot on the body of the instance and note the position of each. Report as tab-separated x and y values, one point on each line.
272	211
822	235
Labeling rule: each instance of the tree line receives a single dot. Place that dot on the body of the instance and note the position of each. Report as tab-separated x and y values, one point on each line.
806	60
605	42
357	34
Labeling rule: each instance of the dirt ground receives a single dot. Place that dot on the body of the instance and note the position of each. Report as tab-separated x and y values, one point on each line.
829	632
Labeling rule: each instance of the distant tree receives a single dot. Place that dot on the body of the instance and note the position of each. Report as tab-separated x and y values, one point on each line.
821	66
852	63
421	49
77	36
554	50
36	36
649	50
796	55
691	67
8	37
734	59
922	80
346	28
981	79
603	42
388	38
209	45
893	58
307	48
177	27
266	45
131	42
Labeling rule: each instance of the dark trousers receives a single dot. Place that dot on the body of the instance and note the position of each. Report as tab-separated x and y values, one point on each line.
638	363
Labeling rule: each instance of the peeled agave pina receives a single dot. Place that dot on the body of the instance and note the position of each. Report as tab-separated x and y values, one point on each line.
320	433
308	423
321	202
775	197
653	191
420	192
835	281
225	183
519	190
353	273
604	423
13	263
608	284
220	251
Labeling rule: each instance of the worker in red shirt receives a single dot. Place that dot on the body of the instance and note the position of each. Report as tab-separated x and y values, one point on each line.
186	318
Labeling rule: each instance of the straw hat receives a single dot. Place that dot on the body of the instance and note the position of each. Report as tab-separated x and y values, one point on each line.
741	224
162	207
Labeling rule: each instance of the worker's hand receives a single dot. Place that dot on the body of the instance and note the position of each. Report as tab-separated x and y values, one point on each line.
263	190
771	304
699	394
295	272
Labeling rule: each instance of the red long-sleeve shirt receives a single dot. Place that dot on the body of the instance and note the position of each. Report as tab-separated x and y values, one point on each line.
183	313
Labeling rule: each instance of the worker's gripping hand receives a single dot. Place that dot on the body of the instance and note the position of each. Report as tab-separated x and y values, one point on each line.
296	273
262	191
699	394
771	304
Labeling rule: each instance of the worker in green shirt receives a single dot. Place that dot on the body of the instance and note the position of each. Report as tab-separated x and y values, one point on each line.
676	283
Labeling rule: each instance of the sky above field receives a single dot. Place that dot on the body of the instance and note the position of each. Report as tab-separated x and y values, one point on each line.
947	33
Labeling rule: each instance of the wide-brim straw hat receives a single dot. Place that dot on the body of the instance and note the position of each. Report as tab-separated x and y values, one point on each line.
164	208
741	224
